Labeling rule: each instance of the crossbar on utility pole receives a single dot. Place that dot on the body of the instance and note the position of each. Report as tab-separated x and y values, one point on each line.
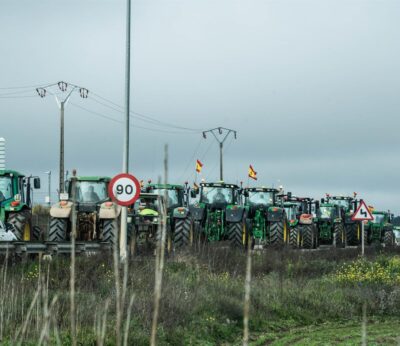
223	135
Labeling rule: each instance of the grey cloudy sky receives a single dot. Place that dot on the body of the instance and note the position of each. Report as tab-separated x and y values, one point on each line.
311	86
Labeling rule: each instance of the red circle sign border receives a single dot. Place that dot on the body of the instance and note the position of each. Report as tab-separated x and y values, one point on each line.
111	185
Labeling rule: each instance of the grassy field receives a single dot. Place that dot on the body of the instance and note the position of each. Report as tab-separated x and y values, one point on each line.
303	298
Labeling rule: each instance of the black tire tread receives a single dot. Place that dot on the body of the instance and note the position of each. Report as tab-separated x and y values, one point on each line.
58	230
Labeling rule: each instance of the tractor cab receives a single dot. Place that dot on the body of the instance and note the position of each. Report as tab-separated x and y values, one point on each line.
260	197
90	192
176	194
219	195
328	211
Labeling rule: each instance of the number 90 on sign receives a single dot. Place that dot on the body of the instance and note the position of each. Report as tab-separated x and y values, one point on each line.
124	189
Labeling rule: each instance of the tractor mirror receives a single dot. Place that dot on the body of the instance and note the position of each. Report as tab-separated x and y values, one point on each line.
316	205
289	195
193	194
36	183
322	200
246	193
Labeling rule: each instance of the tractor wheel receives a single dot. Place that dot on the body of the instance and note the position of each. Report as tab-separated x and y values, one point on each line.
58	230
183	233
237	234
132	240
109	231
352	235
308	237
37	233
389	238
277	233
21	225
294	237
168	238
339	234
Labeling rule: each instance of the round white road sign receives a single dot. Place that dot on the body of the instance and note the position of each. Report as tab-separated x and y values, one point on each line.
124	189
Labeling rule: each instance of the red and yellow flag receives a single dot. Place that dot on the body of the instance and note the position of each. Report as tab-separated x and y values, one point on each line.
252	173
199	166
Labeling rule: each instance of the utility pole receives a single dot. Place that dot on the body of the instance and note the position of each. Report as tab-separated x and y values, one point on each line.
63	86
221	134
125	162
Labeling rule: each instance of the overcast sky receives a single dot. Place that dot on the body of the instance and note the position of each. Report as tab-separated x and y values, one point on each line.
311	86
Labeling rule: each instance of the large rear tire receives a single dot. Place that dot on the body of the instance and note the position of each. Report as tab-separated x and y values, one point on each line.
308	237
352	235
389	238
21	225
58	230
182	233
339	234
109	231
277	233
294	237
237	235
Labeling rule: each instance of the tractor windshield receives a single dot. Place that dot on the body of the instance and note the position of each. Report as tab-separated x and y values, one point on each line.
5	188
147	203
378	218
91	191
345	203
260	198
326	212
220	195
291	212
174	198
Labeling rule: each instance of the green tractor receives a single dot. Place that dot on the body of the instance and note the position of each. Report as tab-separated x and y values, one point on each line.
330	225
16	206
302	226
179	222
219	215
97	217
349	206
144	223
266	218
380	229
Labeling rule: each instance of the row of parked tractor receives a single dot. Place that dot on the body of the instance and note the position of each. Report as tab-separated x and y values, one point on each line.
255	217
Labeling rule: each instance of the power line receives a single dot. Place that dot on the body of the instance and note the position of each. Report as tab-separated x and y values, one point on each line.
120	121
144	116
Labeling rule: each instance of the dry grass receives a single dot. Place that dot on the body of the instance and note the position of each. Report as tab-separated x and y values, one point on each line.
201	303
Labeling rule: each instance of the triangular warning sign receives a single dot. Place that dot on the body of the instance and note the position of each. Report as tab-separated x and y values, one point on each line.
362	213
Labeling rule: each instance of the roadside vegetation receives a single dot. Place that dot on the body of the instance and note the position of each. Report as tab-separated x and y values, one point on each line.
298	297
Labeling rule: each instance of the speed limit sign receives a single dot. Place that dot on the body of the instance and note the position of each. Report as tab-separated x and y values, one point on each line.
124	189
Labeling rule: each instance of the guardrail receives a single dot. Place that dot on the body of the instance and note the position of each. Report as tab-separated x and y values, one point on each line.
52	248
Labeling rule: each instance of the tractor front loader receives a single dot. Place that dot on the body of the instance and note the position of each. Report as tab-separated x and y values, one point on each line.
180	225
16	206
380	229
266	218
97	217
219	214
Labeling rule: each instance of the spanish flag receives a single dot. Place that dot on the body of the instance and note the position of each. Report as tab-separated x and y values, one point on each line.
199	166
252	173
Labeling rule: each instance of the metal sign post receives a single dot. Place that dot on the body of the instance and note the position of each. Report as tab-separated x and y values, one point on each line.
124	189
